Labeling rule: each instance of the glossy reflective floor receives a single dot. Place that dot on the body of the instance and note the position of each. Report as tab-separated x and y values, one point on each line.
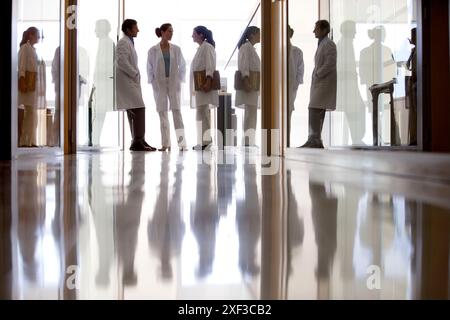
316	225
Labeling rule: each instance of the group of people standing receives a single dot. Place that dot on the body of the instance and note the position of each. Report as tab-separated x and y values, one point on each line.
166	71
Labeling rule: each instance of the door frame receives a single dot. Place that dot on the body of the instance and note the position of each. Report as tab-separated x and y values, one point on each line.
17	152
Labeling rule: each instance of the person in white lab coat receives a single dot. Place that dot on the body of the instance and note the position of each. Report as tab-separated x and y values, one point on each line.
166	69
128	86
323	85
296	74
32	86
249	61
202	101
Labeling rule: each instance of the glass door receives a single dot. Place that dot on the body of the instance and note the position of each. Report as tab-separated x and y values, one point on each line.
36	109
376	59
302	47
99	127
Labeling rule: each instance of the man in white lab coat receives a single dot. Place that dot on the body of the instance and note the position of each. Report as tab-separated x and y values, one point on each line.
128	86
323	86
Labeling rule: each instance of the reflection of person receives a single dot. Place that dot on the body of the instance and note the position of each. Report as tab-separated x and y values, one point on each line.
412	90
31	86
99	194
324	215
376	62
31	219
249	61
296	227
128	216
128	86
248	220
166	228
323	85
166	69
296	74
349	98
204	60
204	220
103	78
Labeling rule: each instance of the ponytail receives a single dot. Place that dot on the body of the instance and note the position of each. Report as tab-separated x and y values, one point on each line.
207	34
246	36
26	35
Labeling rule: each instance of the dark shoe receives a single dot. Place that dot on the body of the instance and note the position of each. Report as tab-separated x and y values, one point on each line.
314	144
149	146
141	147
308	144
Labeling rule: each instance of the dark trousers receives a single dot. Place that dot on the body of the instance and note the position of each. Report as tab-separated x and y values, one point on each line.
136	119
316	119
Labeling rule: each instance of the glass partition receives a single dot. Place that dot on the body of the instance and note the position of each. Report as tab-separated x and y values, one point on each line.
226	19
376	50
98	126
302	18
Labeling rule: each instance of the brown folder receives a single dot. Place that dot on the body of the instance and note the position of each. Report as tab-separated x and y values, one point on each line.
200	79
255	81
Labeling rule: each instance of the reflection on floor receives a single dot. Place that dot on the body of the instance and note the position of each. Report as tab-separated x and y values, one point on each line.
222	226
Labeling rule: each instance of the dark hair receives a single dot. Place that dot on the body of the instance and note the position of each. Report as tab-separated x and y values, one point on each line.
246	36
290	31
162	29
207	34
128	24
27	33
324	25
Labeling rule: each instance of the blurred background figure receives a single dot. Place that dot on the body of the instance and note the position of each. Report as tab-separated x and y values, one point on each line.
249	66
412	90
349	99
103	78
296	75
32	86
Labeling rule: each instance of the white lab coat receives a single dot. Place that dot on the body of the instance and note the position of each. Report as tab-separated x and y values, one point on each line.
248	60
204	59
324	77
296	74
28	61
156	71
128	78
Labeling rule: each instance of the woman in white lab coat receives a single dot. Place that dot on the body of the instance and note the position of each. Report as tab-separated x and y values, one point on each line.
31	86
249	61
202	101
166	69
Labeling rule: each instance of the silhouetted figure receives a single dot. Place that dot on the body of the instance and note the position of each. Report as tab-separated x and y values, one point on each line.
296	74
349	98
412	90
103	78
376	64
323	85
